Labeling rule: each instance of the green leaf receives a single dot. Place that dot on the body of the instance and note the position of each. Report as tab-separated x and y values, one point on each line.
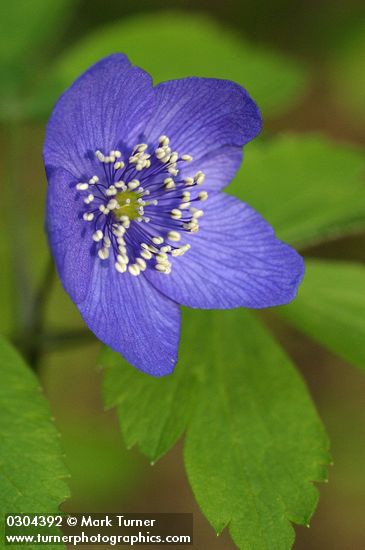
32	472
308	188
153	412
25	26
254	442
330	307
175	45
346	71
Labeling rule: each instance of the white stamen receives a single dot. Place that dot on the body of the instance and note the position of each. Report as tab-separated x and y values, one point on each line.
103	253
189	181
133	184
146	254
122	268
98	235
199	177
174	236
134	269
88	216
82	186
157	240
120	185
141	263
175	214
196	212
89	199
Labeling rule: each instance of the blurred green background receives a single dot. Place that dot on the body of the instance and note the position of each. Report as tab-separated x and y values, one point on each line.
302	62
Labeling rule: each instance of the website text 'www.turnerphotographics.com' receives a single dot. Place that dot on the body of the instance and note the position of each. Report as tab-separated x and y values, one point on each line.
96	529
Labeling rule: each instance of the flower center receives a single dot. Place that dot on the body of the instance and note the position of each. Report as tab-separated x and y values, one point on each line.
140	209
128	205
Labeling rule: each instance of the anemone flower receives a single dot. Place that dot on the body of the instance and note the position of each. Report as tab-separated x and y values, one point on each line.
136	217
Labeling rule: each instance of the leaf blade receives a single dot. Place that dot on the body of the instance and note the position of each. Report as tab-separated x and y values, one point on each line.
265	483
211	51
330	308
308	188
32	472
233	370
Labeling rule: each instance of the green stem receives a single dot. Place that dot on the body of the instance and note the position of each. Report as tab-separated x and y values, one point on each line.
33	336
15	211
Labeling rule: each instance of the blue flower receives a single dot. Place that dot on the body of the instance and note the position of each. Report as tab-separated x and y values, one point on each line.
136	219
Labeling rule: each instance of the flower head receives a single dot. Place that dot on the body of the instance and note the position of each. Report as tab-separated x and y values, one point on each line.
136	218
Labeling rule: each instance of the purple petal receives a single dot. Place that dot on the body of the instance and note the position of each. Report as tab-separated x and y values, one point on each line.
234	260
69	236
130	316
209	119
108	105
127	313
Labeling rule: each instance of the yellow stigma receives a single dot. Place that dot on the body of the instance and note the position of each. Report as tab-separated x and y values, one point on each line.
128	205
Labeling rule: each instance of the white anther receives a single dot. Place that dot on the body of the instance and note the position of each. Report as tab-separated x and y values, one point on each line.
169	183
175	214
93	180
103	253
174	157
89	199
120	185
111	191
181	250
103	209
119	164
166	248
141	147
82	186
134	269
98	235
186	158
164	140
196	213
133	184
162	257
122	249
186	196
192	226
146	254
172	170
112	204
174	236
162	268
107	242
199	177
88	216
123	259
203	195
122	268
160	153
157	240
184	205
118	231
99	155
117	154
141	263
189	181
